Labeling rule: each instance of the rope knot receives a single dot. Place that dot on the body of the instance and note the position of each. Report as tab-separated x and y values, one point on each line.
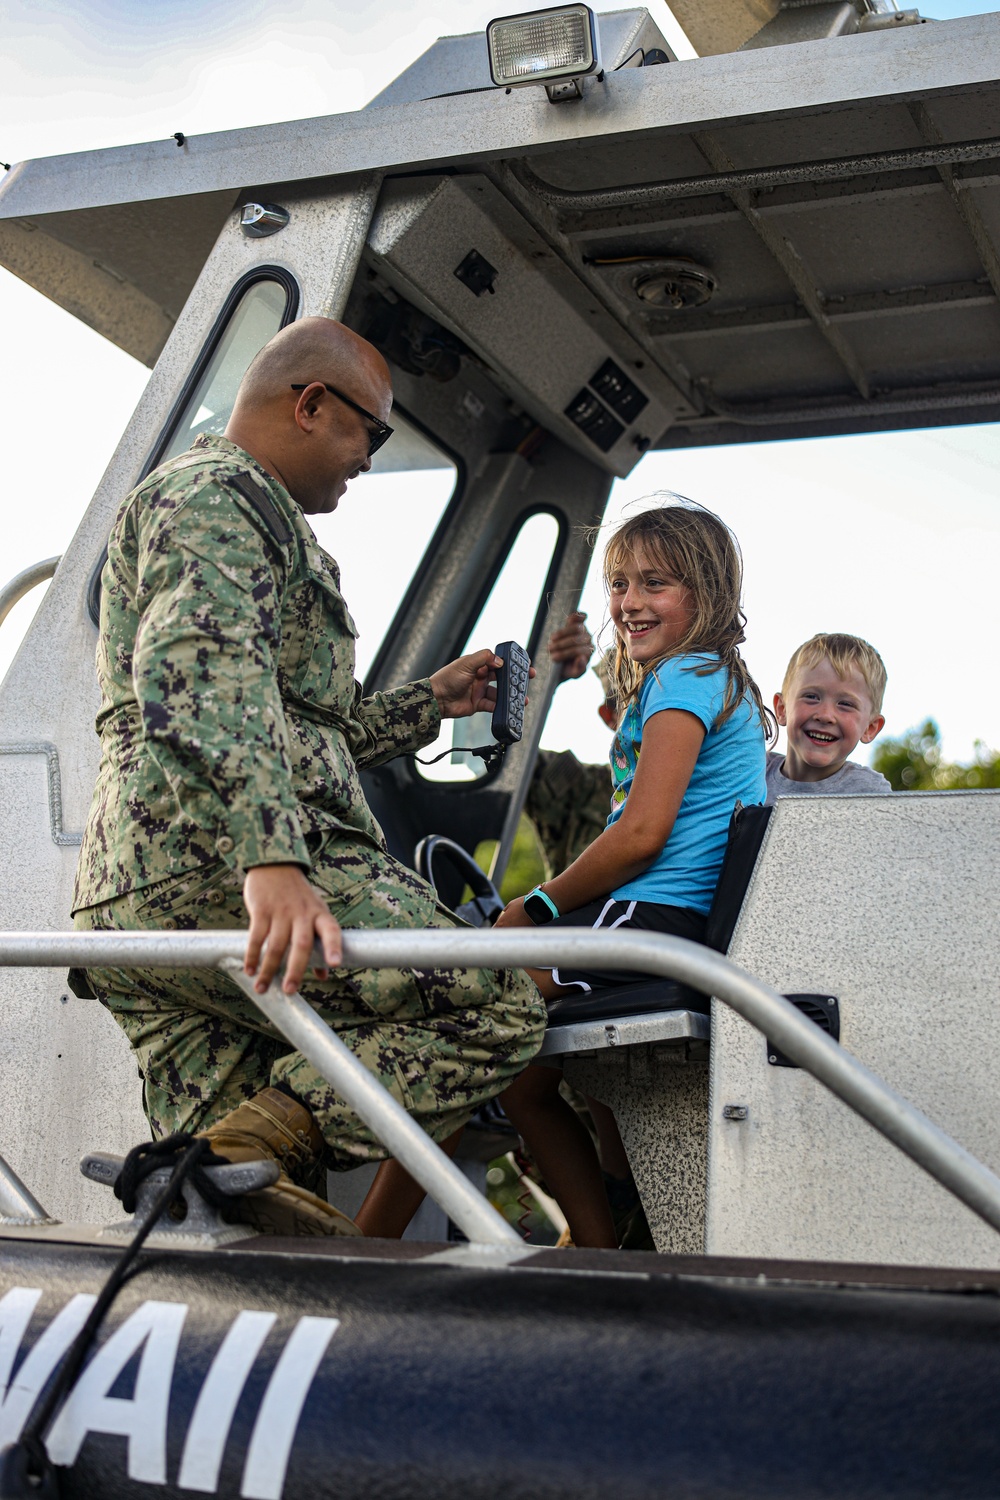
192	1152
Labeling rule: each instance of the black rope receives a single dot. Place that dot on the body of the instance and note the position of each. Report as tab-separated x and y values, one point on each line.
142	1161
25	1467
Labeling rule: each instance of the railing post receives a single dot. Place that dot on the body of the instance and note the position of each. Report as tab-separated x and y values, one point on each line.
17	1204
388	1120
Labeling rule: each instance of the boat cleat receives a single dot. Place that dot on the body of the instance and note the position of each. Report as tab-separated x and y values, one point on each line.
202	1226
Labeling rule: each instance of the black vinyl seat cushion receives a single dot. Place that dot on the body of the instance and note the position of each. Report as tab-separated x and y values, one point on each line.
627	1000
746	834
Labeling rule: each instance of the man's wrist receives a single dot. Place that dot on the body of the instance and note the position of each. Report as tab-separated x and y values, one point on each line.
443	694
256	837
436	687
278	871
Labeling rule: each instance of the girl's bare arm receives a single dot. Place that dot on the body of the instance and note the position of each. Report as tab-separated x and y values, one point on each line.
671	743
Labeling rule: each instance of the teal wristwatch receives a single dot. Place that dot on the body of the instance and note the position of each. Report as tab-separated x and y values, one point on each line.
540	907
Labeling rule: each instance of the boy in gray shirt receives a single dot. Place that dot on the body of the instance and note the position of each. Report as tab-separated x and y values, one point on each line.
830	702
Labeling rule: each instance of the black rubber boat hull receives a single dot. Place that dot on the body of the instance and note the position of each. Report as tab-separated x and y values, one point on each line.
569	1376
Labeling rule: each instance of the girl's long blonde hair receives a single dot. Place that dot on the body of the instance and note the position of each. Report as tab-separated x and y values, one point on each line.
698	548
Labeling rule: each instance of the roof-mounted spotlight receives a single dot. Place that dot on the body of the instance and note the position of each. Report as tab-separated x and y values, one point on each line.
557	48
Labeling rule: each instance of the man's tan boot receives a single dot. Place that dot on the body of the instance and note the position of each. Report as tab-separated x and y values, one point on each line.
274	1127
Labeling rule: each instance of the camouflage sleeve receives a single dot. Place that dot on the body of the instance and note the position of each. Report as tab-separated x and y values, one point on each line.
550	794
568	802
397	722
205	680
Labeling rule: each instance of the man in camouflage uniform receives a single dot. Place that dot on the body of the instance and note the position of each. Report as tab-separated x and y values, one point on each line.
232	734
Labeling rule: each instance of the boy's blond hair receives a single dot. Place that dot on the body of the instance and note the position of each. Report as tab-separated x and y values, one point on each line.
842	652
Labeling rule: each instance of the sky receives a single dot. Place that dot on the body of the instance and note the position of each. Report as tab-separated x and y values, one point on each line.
893	537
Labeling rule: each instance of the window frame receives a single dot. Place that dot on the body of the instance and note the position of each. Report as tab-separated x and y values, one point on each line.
459	788
430	552
541	508
234	297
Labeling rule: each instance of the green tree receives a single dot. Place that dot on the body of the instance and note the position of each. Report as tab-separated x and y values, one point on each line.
913	763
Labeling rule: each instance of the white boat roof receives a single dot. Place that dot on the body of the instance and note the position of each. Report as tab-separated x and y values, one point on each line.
887	293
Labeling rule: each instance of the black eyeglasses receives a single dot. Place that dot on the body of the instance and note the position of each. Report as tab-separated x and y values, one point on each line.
382	433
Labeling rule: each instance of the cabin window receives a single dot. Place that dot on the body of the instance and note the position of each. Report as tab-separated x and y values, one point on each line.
511	612
256	310
383	526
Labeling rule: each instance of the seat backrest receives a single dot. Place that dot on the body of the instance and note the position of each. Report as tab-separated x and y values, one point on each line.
746	834
747	827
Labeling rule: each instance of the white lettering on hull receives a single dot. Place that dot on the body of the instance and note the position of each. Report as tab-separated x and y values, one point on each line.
213	1414
155	1328
154	1332
278	1418
17	1397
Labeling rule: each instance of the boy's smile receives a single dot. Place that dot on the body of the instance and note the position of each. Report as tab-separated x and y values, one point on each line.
826	717
650	608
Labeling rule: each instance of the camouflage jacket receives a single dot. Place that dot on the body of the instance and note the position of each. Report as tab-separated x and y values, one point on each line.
231	724
568	802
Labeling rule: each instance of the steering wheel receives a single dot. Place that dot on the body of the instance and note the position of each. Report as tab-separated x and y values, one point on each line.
486	904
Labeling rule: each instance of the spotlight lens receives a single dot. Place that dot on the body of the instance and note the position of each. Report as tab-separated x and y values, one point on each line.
542	44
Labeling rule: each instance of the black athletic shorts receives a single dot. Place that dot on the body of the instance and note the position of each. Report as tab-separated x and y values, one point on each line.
641	916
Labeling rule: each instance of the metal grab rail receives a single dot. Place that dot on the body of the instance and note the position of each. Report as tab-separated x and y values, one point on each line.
388	1120
674	958
22	583
17	1204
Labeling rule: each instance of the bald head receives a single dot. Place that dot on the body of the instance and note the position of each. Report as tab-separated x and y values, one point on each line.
312	349
313	441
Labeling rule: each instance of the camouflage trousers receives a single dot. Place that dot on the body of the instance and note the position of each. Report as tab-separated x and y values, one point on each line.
441	1041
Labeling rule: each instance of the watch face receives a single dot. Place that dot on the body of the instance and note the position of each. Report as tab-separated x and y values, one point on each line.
538	910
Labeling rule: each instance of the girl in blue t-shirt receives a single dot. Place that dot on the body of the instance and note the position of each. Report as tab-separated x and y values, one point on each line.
690	744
